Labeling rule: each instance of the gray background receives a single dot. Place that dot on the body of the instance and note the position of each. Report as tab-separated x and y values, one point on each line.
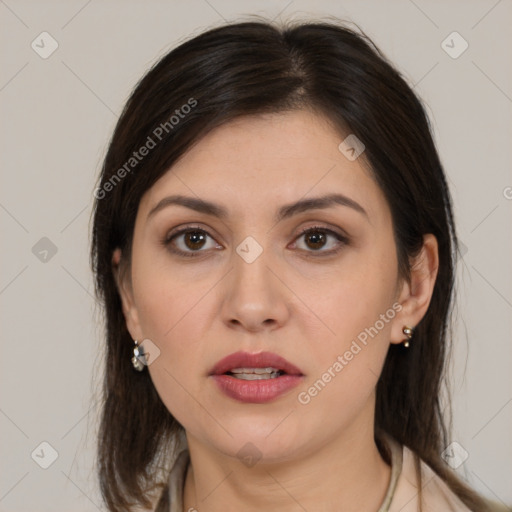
57	116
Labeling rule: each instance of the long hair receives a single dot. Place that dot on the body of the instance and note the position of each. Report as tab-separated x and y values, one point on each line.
251	68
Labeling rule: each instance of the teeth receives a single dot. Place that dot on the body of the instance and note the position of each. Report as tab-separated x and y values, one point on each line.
256	376
259	371
255	373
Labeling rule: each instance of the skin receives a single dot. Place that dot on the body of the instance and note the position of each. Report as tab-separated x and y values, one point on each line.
291	300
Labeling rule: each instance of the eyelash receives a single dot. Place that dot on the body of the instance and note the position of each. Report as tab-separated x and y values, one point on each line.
312	229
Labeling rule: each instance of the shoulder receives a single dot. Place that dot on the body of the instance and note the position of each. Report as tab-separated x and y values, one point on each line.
436	495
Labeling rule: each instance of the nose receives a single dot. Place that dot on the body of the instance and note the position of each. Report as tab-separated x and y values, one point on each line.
255	298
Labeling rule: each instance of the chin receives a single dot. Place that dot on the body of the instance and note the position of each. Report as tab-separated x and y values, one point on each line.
258	440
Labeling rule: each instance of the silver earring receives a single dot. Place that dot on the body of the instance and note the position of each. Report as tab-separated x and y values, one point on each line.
408	331
138	354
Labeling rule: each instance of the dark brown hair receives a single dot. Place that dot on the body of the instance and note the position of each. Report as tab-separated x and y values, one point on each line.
252	68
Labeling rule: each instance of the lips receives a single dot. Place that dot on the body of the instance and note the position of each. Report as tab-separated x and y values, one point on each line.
262	360
255	378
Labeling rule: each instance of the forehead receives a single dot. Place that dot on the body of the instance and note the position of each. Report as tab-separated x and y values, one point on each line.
254	161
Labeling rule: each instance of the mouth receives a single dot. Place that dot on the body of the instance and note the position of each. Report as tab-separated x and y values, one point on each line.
255	373
247	366
255	378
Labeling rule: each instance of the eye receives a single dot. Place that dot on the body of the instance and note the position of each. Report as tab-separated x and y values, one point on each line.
190	240
321	240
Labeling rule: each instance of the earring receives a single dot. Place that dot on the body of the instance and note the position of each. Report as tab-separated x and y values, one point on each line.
408	334
138	354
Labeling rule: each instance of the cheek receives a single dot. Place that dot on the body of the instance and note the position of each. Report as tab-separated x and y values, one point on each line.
174	315
346	366
358	309
168	301
354	298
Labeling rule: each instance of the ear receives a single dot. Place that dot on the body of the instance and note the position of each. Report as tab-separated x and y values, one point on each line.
416	294
122	277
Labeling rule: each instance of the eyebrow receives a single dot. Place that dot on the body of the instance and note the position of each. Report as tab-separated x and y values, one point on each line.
285	212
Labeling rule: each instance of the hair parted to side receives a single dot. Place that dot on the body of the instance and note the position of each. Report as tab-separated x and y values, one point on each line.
252	68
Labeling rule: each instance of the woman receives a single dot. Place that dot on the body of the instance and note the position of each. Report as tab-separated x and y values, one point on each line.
274	244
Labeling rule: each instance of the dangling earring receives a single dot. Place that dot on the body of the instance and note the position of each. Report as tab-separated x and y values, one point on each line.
408	334
138	352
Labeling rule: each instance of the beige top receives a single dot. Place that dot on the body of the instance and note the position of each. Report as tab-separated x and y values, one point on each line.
401	496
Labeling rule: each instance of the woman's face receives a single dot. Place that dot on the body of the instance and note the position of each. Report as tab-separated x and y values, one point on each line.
328	302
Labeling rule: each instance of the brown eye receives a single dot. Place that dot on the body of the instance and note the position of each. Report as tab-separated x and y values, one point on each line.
320	240
190	242
194	239
315	239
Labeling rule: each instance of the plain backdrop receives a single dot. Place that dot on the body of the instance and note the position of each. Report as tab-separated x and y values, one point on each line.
57	116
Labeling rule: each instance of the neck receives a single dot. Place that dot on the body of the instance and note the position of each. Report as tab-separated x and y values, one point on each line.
347	473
